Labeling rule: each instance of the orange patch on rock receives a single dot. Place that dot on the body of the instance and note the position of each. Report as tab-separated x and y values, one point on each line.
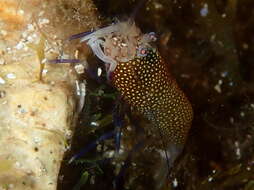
9	15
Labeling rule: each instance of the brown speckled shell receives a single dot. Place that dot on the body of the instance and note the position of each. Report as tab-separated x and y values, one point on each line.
146	84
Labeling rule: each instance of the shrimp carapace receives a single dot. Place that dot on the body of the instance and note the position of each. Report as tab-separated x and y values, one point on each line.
146	84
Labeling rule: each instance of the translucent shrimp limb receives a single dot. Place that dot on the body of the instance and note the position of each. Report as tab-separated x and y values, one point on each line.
168	158
92	145
118	119
55	61
118	122
119	180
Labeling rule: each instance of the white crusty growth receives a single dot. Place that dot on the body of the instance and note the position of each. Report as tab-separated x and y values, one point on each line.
120	42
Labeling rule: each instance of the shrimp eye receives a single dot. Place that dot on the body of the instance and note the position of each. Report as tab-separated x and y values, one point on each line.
142	52
152	36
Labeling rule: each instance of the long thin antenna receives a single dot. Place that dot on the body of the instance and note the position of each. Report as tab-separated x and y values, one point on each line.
166	153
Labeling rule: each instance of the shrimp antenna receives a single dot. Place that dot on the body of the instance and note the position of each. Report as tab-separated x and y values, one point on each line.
137	8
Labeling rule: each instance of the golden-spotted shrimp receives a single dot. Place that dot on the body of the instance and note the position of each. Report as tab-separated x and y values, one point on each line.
136	69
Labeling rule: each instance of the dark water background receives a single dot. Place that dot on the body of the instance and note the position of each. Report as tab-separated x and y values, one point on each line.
209	45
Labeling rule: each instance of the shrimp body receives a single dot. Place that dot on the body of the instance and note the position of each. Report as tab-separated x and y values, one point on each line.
139	73
146	84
